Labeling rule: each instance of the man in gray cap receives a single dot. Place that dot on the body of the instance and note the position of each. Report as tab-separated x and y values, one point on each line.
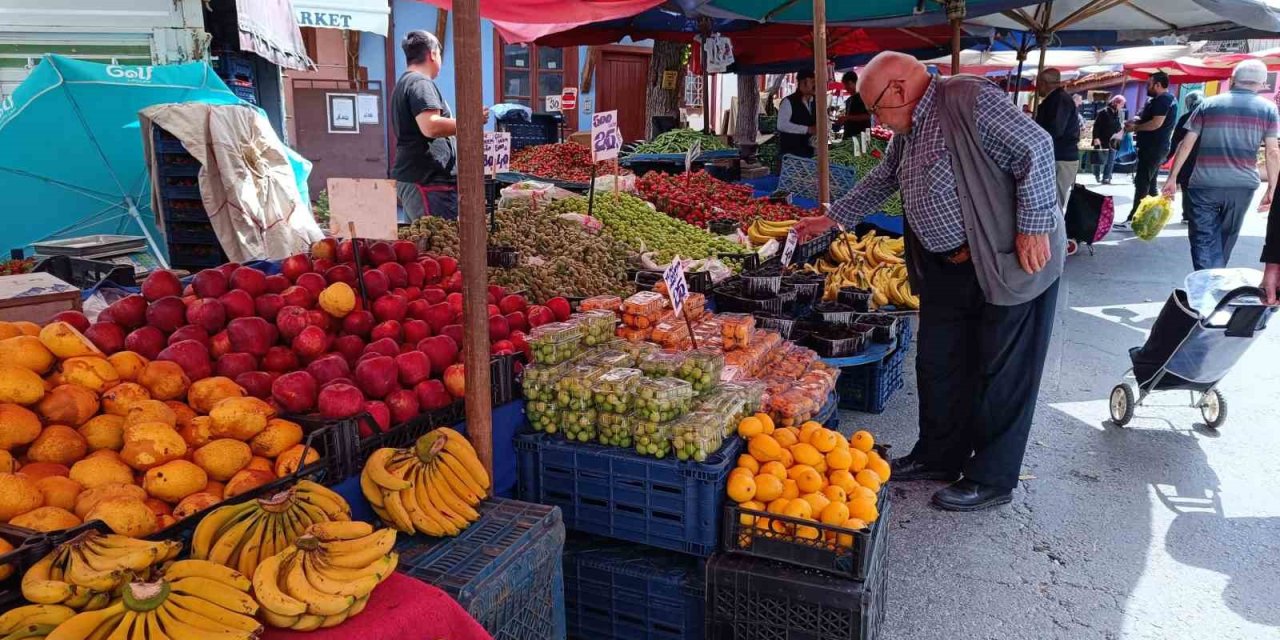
1229	128
1058	115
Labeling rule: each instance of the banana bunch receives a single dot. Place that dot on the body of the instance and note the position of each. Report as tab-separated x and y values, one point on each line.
872	262
762	231
192	600
325	577
433	488
241	535
33	621
86	571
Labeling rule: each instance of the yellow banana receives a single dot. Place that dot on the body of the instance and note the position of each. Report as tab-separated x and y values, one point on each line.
205	569
102	555
335	620
419	517
231	539
203	606
80	598
308	622
371	491
227	597
459	469
456	503
377	466
329	501
443	507
359	606
276	620
208	531
39	587
335	586
251	551
34	614
318	602
342	530
98	600
400	518
456	484
461	449
266	587
423	499
83	625
190	618
179	630
79	572
382	568
361	552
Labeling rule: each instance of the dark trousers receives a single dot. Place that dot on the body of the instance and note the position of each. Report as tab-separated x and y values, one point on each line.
1214	217
978	373
1146	175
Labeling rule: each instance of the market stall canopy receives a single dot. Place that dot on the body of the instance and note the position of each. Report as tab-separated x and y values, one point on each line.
1136	20
371	16
896	13
71	158
1202	69
975	61
528	20
270	29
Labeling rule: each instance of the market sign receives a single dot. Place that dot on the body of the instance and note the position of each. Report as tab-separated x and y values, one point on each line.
553	104
497	152
354	15
569	98
789	249
677	288
606	141
719	52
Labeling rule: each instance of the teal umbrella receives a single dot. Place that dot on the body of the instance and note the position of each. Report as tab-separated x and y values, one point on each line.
71	160
863	13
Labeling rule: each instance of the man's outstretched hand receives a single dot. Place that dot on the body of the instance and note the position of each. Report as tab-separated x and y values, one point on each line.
1033	251
812	227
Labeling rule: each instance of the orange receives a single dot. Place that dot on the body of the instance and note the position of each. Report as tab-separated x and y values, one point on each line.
821	466
742	487
807	430
857	460
786	437
835	513
808	533
778	505
787	459
768	487
745	461
790	490
835	493
795	470
879	466
764	448
860	491
750	426
747	519
765	421
839	459
816	500
824	440
798	509
846	539
805	454
862	441
809	480
774	469
868	479
863	509
738	471
843	479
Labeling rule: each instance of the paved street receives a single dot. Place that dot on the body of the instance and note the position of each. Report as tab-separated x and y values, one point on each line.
1159	530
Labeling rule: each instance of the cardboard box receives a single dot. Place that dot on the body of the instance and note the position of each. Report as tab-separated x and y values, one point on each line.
582	137
36	297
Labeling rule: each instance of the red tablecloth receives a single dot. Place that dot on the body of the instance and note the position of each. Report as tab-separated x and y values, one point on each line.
400	608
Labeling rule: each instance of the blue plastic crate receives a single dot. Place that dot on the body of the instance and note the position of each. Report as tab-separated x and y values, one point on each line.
869	387
618	494
829	415
246	92
234	67
192	233
171	191
505	569
616	590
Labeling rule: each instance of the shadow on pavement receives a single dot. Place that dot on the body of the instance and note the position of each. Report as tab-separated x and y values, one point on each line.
1214	542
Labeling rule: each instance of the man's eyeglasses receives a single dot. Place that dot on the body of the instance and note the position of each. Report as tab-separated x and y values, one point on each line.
876	105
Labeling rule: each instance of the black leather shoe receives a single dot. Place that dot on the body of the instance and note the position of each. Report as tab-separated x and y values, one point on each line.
907	469
967	495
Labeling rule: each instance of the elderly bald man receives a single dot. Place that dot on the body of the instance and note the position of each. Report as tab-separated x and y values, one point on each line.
985	248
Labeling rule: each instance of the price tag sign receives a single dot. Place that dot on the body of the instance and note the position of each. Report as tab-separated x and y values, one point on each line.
569	98
691	155
497	152
677	288
789	248
606	141
553	104
719	52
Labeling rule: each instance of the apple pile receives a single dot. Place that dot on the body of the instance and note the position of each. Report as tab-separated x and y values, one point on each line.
305	341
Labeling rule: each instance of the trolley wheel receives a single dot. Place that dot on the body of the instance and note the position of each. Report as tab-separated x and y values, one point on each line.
1072	247
1121	404
1213	408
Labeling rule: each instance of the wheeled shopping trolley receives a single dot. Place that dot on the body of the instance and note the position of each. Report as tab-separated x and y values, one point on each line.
1200	334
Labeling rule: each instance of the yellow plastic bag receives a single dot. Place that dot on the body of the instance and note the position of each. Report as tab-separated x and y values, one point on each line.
1153	213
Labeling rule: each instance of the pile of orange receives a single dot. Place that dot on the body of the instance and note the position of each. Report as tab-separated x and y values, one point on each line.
807	473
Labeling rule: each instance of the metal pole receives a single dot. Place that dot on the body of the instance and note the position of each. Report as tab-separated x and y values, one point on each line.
471	226
820	99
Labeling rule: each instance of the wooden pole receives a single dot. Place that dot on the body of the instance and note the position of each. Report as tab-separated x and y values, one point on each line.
955	46
471	226
1042	39
820	99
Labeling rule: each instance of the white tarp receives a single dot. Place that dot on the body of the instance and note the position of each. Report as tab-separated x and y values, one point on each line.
1138	17
355	15
1065	59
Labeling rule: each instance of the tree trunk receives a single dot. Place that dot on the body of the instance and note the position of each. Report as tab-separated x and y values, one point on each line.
667	56
748	123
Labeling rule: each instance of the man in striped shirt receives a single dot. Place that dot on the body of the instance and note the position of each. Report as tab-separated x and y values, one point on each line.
1226	131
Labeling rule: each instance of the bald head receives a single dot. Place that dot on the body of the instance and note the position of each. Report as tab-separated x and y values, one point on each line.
1047	81
897	81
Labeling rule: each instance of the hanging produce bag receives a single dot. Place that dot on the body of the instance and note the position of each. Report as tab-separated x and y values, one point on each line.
1153	213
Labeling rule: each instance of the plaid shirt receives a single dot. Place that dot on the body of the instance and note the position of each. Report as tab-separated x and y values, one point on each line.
919	165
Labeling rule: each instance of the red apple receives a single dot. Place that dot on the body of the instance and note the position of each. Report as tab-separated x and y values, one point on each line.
292	320
227	269
403	404
496	292
146	342
389	329
161	284
219	345
192	356
311	342
207	313
295	392
268	306
232	365
256	383
375	284
130	312
414	274
349	346
431	272
328	367
539	315
294	266
516	321
191	332
448	266
107	336
342	380
326	249
73	318
390	307
358	323
502	348
417	309
341	273
498	328
521	344
414	367
434	295
512	303
167	314
379	415
440	315
455	302
406	251
413	331
298	296
560	307
314	283
432	395
280	360
493	310
347	251
385	347
453	282
250	335
277	282
338	401
453	331
381	252
320	265
249	280
442	350
210	283
377	376
455	380
238	303
395	273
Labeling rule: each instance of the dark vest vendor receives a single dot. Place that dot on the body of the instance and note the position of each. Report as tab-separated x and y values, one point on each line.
797	120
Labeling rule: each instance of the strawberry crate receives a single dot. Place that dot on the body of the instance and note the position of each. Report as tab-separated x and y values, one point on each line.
619	591
505	569
619	494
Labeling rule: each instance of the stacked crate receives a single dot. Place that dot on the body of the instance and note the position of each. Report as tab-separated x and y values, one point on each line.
193	244
237	70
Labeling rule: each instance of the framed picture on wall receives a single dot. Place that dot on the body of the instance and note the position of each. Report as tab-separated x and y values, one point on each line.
341	108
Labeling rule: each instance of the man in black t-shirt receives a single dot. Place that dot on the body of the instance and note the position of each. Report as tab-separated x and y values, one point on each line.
425	171
856	119
1152	132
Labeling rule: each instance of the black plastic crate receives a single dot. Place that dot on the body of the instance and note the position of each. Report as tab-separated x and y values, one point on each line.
756	599
177	165
503	257
192	233
195	256
886	326
724	227
858	299
833	313
176	187
617	590
530	134
184	210
836	342
28	548
852	562
807	252
750	261
85	273
729	298
404	434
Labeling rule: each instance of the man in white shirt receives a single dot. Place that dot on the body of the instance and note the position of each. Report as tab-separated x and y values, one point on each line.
797	121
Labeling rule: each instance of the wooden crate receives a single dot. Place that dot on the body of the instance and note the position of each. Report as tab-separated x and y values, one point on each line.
35	297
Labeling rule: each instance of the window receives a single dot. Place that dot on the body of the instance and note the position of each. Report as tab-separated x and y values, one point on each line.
527	74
